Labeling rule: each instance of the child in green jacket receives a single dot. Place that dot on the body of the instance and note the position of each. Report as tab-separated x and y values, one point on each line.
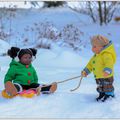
21	75
102	66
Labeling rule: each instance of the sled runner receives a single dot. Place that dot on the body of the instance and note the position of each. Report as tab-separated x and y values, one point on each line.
10	91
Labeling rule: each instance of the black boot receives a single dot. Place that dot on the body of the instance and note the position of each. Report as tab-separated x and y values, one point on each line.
105	98
101	95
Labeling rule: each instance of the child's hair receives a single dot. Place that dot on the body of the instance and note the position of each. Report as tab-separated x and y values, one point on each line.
15	51
99	40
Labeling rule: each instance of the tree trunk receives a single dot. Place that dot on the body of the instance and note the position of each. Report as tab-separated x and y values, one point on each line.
100	12
91	11
105	12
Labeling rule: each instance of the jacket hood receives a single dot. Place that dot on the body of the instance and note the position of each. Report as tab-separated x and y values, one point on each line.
15	63
110	49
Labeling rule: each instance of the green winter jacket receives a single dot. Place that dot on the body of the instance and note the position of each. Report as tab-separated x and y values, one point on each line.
22	74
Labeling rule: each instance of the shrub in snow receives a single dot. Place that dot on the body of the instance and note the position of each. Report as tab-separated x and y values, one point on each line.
43	43
3	35
46	30
6	21
38	32
72	35
43	30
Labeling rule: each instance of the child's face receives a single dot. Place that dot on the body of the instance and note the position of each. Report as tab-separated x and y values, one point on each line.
26	59
96	49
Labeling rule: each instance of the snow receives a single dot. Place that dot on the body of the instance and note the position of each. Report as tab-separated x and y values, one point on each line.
4	46
18	4
58	64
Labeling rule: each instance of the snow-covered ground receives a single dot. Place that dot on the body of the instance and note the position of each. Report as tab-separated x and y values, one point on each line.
58	64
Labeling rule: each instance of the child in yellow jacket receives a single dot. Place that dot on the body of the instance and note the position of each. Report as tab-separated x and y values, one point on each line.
102	66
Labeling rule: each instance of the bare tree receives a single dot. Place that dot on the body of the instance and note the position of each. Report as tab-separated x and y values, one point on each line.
101	11
105	11
91	12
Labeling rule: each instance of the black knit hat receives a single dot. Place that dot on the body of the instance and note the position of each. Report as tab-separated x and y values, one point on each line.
14	51
24	51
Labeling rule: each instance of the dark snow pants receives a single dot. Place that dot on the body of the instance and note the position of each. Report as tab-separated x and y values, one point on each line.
33	85
105	85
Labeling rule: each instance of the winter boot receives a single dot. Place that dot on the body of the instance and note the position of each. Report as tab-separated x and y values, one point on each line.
47	89
106	97
53	87
10	89
101	95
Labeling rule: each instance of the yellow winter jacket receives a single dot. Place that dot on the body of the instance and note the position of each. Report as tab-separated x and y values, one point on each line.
104	61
